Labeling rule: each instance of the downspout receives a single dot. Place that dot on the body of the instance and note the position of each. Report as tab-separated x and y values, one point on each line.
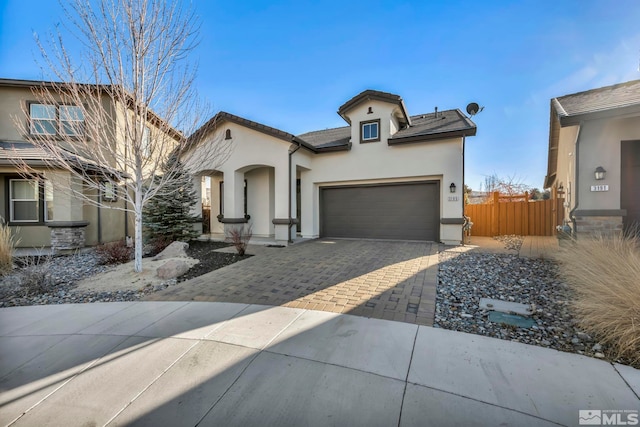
291	152
463	194
99	216
576	186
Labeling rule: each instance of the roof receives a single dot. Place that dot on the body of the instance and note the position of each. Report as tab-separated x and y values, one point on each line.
223	116
376	95
444	124
328	139
423	127
14	153
600	100
570	110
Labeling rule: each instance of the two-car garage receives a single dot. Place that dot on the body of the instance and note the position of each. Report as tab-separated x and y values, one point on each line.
403	211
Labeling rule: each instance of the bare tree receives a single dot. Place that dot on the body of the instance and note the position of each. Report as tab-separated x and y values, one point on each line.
131	87
505	186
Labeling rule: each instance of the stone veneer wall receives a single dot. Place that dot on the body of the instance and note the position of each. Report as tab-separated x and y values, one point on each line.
67	236
598	225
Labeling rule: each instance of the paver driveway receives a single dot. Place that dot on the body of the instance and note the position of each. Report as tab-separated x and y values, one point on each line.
379	279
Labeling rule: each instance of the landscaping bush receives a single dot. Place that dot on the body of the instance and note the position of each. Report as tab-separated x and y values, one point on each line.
604	273
114	252
35	276
7	244
239	238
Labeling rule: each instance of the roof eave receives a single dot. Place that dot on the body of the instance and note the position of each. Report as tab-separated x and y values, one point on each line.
433	136
576	119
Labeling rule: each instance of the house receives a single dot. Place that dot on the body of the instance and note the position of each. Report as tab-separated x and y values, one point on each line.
594	158
385	175
39	212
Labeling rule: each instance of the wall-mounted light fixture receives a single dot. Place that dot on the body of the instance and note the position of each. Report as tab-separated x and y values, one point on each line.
452	188
600	173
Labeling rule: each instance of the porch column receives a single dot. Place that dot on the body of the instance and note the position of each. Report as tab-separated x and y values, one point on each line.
233	206
281	220
196	181
308	206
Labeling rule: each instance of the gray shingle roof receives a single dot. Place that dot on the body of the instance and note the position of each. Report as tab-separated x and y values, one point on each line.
432	125
328	138
601	99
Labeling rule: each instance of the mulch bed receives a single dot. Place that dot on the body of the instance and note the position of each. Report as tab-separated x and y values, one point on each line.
209	259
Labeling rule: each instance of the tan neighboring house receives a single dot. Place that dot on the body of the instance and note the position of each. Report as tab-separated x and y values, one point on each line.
39	213
386	175
594	158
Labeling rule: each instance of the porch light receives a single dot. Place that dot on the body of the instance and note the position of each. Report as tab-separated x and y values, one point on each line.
600	173
452	187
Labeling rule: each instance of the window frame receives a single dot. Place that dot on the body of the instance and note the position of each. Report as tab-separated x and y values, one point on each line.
109	194
61	121
369	123
57	120
32	120
39	213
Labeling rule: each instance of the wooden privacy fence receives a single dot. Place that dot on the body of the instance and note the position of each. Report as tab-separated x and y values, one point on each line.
507	215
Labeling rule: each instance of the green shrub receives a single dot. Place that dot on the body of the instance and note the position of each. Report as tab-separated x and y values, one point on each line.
604	274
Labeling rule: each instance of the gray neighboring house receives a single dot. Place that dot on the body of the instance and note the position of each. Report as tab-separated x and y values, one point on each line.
594	158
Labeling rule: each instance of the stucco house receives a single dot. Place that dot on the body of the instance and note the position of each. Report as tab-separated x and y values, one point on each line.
39	213
594	158
385	175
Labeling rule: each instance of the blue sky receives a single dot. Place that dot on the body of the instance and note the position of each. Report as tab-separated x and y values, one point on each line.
291	64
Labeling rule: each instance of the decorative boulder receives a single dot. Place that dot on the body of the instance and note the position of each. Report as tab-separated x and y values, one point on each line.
174	250
172	269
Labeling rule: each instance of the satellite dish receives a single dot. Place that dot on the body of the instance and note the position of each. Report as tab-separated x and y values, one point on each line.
473	109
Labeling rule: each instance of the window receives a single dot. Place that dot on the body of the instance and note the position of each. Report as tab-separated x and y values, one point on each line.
109	191
227	134
370	131
48	201
56	119
71	120
222	197
43	119
24	200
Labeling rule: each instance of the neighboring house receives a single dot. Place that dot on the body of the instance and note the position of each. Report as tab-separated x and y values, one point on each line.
594	158
387	175
40	214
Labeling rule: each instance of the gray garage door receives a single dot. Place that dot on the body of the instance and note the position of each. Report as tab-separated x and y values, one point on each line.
408	211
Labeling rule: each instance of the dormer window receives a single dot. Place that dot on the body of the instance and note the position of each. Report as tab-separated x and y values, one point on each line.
370	131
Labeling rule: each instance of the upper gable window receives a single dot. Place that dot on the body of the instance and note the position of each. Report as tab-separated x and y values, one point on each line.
370	131
50	119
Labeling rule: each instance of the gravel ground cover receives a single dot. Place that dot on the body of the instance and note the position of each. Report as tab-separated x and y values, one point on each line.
56	283
464	278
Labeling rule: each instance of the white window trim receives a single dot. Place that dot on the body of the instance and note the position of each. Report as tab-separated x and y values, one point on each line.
57	121
32	120
11	200
61	121
371	124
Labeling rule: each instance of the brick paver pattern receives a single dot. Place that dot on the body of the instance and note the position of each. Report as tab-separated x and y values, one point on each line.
379	279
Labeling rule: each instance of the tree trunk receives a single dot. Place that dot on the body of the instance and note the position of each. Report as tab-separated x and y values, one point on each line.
137	265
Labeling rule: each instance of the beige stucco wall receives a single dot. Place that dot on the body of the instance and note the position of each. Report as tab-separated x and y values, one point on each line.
377	162
263	161
565	173
600	146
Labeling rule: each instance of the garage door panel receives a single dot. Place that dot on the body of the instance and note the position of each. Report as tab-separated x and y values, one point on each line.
398	211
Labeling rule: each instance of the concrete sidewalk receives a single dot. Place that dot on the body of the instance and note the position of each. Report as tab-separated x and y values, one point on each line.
199	363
